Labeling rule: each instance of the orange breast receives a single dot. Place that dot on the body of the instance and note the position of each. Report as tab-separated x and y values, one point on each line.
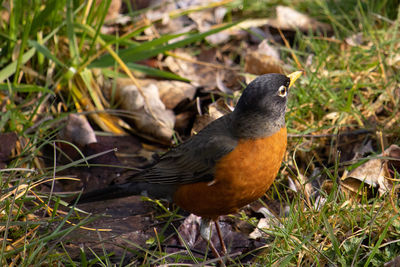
241	177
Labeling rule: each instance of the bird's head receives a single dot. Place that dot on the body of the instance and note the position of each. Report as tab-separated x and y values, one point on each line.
263	103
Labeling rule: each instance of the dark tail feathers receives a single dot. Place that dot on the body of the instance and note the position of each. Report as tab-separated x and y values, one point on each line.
110	192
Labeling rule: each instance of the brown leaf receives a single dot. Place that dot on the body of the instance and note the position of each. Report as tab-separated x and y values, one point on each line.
183	121
355	39
374	173
259	63
153	119
78	131
394	163
290	19
263	60
263	223
8	141
353	187
173	92
215	111
113	10
198	75
189	232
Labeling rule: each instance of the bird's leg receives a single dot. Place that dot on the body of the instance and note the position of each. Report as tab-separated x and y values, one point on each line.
206	233
221	240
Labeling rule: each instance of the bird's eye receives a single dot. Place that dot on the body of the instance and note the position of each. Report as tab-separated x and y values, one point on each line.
282	91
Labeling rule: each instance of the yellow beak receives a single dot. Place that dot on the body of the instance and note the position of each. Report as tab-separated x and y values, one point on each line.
294	76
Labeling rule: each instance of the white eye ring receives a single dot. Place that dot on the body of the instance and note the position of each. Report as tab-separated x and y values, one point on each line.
282	91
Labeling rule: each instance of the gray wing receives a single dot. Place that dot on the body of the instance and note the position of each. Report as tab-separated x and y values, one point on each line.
193	161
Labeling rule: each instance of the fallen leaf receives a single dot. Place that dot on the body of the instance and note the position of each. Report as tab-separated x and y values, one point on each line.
78	131
302	184
263	60
355	39
173	92
199	75
219	108
183	121
290	19
151	118
394	61
190	234
113	9
374	173
266	49
8	142
216	110
206	19
263	223
394	162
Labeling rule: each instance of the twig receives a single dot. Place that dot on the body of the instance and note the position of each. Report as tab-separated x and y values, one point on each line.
290	49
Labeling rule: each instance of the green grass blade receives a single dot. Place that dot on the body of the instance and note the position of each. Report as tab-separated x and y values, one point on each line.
156	72
46	52
73	45
136	53
25	88
24	41
381	237
10	69
335	242
287	259
108	61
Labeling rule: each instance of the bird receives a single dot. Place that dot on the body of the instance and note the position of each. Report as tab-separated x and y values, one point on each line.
227	165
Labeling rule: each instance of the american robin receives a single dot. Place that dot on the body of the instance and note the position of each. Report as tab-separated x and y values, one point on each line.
228	164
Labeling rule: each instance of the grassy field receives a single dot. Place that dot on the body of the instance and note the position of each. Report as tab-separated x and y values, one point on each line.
51	53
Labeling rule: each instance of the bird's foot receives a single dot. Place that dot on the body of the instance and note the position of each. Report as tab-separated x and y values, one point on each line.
206	233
